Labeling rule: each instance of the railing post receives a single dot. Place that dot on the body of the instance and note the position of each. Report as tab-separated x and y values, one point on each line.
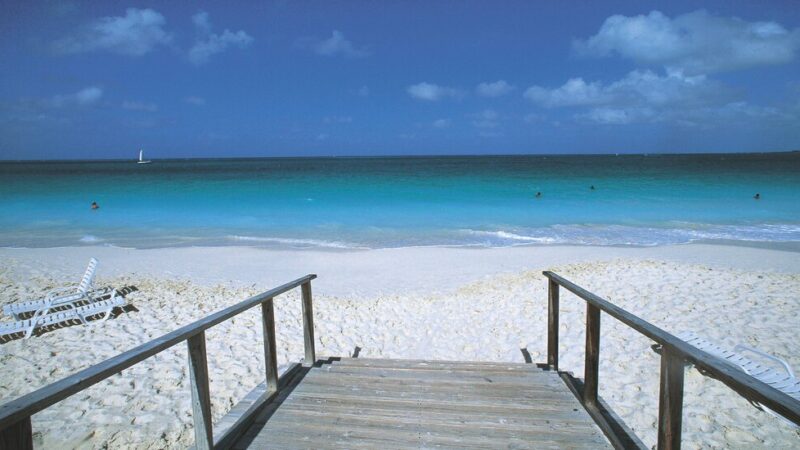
201	399
18	435
670	400
592	363
270	354
308	325
552	324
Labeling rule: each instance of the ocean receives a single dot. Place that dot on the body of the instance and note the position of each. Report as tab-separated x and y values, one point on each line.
364	202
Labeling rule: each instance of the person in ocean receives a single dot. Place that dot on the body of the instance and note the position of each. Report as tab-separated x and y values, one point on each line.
591	187
757	196
95	205
538	194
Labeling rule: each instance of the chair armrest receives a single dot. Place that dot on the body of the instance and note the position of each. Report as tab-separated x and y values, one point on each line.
783	363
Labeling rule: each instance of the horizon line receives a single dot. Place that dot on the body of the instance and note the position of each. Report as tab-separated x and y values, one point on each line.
391	156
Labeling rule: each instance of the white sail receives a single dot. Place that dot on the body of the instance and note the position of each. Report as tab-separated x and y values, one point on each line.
141	157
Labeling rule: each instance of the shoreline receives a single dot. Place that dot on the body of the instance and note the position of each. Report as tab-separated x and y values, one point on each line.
411	269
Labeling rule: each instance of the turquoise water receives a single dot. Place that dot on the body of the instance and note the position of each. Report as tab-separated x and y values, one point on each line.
403	201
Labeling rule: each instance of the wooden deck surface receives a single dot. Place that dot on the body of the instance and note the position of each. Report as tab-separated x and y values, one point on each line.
393	404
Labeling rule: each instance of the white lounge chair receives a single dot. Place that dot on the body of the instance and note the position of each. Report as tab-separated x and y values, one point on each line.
82	313
782	379
70	295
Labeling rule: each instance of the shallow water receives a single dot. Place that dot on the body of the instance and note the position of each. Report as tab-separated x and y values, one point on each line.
403	201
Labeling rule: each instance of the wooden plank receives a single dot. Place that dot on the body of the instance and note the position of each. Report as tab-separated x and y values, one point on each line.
552	324
432	364
416	432
620	436
670	400
451	376
747	386
592	364
201	398
236	423
40	399
308	324
540	409
17	436
446	412
360	381
270	352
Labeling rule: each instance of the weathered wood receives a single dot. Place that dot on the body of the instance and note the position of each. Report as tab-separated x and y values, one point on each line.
670	400
308	325
40	399
430	405
17	436
552	324
236	422
592	361
270	352
201	398
747	386
615	429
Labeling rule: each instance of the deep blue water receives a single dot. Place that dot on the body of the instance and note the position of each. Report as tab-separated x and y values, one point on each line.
403	201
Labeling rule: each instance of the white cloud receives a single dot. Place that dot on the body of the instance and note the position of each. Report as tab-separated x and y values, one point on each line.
139	106
195	100
486	119
644	96
638	88
363	91
336	45
695	43
84	97
136	33
496	89
209	44
573	93
432	92
441	123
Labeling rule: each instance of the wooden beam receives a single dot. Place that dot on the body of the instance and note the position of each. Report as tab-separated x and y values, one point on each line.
552	324
270	352
201	398
670	400
592	363
17	436
308	325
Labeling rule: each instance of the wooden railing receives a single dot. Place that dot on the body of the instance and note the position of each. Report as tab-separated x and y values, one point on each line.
674	354
15	416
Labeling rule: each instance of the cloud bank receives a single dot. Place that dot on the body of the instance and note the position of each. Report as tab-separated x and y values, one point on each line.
695	43
136	33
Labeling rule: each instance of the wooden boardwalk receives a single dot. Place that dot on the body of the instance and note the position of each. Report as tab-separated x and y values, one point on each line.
393	404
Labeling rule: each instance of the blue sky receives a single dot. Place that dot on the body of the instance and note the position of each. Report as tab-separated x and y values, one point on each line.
181	79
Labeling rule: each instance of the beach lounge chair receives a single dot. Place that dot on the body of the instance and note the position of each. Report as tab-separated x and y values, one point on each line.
777	373
70	295
81	313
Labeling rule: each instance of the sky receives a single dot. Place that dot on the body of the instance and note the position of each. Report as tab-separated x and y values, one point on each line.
86	80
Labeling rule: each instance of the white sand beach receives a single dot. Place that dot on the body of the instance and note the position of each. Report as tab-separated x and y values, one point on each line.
433	303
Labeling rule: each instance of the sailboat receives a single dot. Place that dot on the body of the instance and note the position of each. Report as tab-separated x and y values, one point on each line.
141	158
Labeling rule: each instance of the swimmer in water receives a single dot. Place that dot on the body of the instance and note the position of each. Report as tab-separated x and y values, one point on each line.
757	196
95	205
591	187
538	194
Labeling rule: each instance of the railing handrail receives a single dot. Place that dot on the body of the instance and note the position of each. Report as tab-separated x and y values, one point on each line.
746	385
35	401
